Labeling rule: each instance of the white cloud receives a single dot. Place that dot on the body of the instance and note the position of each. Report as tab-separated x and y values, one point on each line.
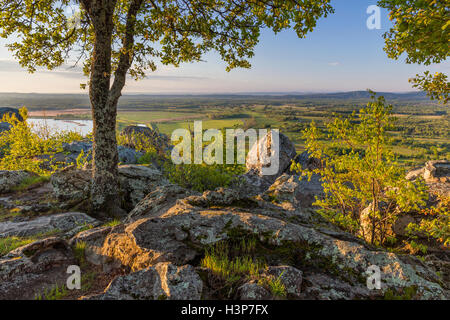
334	64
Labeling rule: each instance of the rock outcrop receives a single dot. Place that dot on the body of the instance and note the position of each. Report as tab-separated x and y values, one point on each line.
28	271
11	179
180	235
58	223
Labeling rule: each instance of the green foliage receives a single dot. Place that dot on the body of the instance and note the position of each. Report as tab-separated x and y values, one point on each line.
435	224
10	243
113	223
21	146
79	252
421	30
31	181
407	293
167	31
236	262
358	169
55	293
201	177
436	86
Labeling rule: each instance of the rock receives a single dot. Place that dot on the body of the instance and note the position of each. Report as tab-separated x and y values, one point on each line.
290	277
437	171
181	234
158	201
296	190
136	182
53	223
158	140
71	152
253	291
401	223
5	126
436	174
324	287
71	185
160	282
30	270
11	179
94	240
10	112
258	160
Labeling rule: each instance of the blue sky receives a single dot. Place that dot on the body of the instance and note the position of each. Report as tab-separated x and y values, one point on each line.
341	54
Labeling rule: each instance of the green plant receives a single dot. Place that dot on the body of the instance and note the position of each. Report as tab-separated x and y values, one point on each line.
22	146
10	243
55	293
275	285
79	251
435	223
113	223
31	181
359	170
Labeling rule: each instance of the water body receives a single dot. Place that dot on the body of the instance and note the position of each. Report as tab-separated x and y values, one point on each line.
83	127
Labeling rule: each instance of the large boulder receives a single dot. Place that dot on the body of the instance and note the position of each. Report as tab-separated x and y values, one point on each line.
263	155
11	112
28	271
136	135
290	277
164	281
59	223
11	179
296	189
253	291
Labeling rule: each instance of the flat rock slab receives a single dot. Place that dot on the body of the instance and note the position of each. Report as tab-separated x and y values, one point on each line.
59	222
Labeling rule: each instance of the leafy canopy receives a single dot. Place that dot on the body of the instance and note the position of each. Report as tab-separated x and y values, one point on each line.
422	31
165	31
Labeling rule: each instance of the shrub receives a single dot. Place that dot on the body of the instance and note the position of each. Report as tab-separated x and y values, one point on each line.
21	145
359	170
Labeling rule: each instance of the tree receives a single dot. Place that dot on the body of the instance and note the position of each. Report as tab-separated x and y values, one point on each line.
114	38
421	30
364	186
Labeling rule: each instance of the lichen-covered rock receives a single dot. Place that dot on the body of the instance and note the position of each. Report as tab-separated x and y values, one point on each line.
253	291
181	234
136	182
289	276
262	156
59	223
134	134
30	270
160	282
158	201
11	179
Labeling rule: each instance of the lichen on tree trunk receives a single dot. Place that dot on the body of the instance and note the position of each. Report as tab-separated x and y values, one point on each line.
105	183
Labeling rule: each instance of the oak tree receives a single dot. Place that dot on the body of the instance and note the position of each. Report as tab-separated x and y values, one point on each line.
119	38
422	31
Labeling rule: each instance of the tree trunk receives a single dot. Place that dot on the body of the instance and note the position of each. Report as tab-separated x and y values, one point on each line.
105	182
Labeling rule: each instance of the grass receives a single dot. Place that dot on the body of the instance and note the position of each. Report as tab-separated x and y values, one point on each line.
112	223
237	264
29	182
79	252
10	243
55	293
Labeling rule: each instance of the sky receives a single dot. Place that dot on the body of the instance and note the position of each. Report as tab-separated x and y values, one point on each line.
341	54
